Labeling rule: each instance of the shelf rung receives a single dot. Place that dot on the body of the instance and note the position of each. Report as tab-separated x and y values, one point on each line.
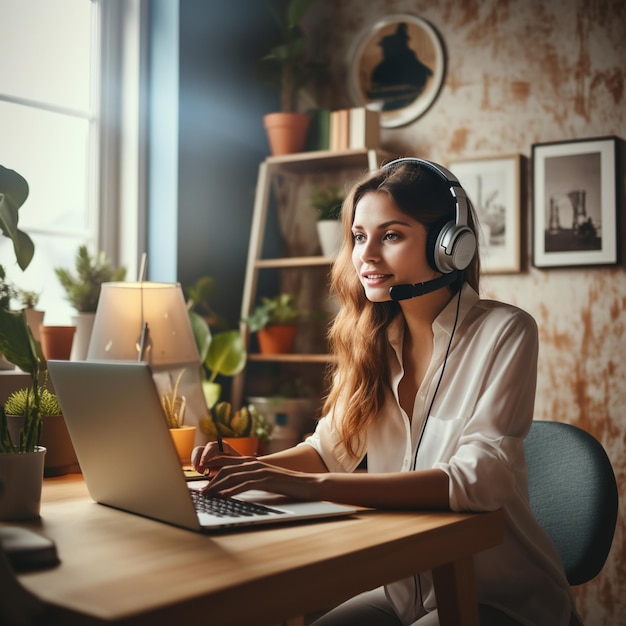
296	261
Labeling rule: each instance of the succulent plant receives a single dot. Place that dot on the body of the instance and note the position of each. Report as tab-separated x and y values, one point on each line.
246	422
22	399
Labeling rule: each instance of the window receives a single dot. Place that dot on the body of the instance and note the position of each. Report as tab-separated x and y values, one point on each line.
64	89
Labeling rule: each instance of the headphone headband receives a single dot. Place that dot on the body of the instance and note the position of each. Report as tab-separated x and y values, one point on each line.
451	245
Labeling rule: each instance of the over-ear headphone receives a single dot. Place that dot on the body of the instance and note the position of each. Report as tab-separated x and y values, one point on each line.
450	245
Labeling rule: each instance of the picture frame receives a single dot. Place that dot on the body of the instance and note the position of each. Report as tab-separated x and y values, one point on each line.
494	186
575	202
397	67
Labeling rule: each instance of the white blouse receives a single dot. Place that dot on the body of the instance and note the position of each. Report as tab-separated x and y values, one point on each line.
474	433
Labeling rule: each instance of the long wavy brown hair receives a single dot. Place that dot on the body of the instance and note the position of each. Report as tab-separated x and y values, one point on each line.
359	375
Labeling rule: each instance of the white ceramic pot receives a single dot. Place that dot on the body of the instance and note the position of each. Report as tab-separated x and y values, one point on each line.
82	337
60	455
329	233
21	479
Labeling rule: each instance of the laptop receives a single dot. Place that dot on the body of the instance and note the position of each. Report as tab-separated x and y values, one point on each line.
116	423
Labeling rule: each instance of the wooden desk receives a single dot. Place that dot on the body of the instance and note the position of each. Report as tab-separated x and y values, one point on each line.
125	569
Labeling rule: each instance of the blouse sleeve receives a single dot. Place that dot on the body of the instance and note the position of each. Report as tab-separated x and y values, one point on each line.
485	468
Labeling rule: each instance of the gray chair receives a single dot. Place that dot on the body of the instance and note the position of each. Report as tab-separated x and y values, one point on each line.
573	494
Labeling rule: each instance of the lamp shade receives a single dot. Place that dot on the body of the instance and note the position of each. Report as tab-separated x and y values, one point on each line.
132	313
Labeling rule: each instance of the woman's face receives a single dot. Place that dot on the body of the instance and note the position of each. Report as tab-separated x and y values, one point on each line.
389	247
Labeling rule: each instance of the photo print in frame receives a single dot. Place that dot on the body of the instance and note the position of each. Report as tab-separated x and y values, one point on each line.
494	187
575	202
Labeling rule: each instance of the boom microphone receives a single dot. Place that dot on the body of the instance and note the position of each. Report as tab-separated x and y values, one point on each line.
405	292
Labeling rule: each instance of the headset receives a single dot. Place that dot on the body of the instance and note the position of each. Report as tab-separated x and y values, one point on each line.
450	245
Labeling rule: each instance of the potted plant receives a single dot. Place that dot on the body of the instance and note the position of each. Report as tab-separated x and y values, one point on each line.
274	321
183	435
83	291
286	65
22	461
28	300
328	200
60	456
243	429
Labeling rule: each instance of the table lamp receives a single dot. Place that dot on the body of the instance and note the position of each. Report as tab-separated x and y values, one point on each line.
149	321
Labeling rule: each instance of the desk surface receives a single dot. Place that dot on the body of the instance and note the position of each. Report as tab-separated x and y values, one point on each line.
123	568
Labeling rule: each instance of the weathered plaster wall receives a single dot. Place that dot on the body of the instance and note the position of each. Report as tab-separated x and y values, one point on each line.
520	72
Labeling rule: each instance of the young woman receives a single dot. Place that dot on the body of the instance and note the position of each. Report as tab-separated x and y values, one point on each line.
435	387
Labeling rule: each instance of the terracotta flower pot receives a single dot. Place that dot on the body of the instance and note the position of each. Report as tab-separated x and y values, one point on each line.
286	132
246	446
277	339
56	341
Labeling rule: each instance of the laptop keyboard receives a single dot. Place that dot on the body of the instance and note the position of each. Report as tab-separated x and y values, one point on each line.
230	507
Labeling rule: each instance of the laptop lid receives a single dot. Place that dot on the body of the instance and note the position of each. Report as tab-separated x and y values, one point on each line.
115	419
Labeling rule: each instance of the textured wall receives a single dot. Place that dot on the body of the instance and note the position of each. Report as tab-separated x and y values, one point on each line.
520	72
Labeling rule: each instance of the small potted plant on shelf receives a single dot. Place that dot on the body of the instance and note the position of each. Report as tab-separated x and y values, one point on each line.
287	65
328	201
243	429
83	292
274	320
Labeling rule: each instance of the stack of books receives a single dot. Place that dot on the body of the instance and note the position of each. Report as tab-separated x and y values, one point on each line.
344	129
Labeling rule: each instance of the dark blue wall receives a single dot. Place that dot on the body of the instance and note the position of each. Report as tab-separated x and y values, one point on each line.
218	104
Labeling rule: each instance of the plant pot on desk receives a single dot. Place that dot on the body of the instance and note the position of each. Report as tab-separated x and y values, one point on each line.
60	456
21	480
246	446
184	440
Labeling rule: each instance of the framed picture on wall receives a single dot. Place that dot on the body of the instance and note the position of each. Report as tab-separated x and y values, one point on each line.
575	202
494	187
397	67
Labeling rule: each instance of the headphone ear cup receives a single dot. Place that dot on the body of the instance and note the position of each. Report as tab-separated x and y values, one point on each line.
451	247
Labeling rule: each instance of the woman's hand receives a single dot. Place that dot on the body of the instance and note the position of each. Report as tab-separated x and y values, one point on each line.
232	474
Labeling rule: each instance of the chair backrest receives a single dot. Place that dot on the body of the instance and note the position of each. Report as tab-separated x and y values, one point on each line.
573	494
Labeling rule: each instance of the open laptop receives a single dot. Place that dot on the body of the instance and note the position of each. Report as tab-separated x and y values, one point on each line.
116	422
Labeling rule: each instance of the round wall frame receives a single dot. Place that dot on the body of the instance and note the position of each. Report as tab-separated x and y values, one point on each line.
397	67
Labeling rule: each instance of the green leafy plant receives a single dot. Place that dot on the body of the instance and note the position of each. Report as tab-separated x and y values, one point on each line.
327	199
21	400
16	341
13	193
281	309
199	299
7	290
246	422
221	354
83	288
286	63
